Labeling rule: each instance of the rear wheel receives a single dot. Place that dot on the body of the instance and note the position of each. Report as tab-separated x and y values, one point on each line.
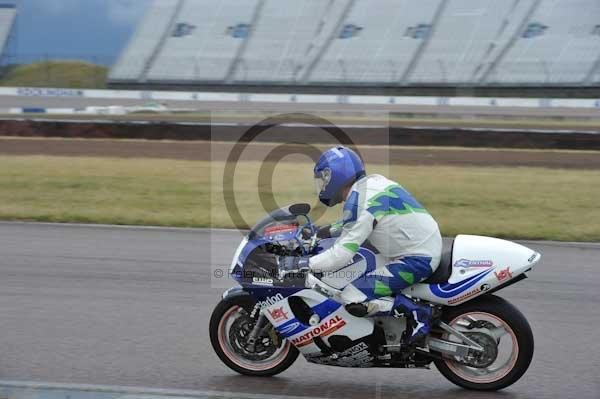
502	331
230	325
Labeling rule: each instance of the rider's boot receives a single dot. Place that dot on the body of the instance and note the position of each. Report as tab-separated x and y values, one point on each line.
374	307
421	315
400	306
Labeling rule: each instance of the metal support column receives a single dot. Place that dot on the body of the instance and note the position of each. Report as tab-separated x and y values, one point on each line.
313	63
492	67
240	53
593	71
165	36
424	43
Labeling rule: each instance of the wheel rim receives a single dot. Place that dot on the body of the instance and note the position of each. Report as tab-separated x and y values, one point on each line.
229	348
505	353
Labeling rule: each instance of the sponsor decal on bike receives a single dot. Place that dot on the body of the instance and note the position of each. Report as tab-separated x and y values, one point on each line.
271	300
467	263
504	274
448	290
326	328
262	281
293	327
287	330
280	228
278	314
463	297
485	287
356	356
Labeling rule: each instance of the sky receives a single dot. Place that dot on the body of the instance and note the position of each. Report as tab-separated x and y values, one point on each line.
94	30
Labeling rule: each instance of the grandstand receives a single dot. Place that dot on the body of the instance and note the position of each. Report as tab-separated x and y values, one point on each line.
8	13
365	42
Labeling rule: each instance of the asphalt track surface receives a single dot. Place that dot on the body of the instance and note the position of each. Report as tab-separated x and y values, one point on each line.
217	151
130	306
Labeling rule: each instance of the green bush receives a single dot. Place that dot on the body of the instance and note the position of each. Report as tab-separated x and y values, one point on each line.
63	74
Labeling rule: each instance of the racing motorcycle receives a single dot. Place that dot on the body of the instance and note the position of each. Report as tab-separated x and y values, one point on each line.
477	341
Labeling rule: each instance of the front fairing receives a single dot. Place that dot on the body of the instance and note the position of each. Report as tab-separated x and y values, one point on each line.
255	262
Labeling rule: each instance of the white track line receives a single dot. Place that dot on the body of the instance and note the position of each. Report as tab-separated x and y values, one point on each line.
112	226
593	245
124	390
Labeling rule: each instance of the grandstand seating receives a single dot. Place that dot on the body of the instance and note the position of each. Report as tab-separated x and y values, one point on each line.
357	42
146	41
468	35
8	13
558	45
207	47
380	51
287	37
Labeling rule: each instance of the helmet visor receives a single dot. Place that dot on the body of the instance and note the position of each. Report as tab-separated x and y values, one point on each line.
322	179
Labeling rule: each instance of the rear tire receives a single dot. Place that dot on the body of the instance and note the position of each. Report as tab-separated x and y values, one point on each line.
520	331
219	340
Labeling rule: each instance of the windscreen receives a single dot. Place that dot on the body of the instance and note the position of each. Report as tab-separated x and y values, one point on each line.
280	224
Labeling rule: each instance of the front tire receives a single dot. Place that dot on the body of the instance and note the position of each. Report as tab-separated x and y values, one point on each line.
510	328
233	313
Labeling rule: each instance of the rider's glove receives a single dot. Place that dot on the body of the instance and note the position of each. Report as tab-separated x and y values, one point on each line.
292	265
330	231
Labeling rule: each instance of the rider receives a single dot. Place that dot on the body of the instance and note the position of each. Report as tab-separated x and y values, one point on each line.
401	230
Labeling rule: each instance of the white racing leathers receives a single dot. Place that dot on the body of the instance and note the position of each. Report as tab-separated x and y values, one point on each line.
404	233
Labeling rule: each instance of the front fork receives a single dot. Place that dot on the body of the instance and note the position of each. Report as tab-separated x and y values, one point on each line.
261	328
258	326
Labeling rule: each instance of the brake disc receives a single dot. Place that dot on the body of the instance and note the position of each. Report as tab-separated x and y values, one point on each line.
238	338
485	358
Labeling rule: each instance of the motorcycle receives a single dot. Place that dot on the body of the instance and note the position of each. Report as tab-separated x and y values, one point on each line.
478	340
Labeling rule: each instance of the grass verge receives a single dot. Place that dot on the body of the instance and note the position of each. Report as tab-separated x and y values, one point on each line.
533	203
71	74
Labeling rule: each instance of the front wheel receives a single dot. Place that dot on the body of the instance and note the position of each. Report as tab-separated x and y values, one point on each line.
230	325
502	331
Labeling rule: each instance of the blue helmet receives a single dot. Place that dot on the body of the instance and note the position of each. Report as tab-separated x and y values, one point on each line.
336	169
